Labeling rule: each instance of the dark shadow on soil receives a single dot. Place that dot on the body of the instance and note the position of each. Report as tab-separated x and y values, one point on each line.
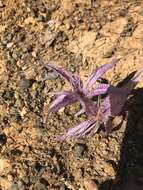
130	169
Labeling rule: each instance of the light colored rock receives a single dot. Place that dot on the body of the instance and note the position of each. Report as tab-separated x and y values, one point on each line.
1	4
109	170
90	184
2	67
5	183
9	45
48	38
4	166
30	20
84	44
2	28
69	5
37	133
112	28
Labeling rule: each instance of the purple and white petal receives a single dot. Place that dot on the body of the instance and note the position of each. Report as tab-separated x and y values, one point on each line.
106	107
138	76
92	130
79	131
115	100
88	106
100	71
64	99
81	111
74	80
100	89
118	100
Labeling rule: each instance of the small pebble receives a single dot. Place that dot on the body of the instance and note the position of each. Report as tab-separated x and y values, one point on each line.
1	4
14	187
40	186
26	83
51	76
108	169
78	174
108	54
34	54
5	166
90	184
41	18
20	185
62	187
9	45
16	56
80	149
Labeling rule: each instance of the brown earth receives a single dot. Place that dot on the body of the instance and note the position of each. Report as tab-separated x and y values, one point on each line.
78	35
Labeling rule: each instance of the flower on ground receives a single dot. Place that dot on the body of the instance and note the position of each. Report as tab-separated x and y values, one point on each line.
80	92
111	106
100	112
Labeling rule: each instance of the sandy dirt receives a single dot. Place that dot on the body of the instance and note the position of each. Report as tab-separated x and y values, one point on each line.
78	35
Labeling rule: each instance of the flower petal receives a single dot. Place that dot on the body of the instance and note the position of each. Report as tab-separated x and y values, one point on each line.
100	89
88	106
100	71
80	112
138	76
81	130
74	80
117	97
64	99
115	100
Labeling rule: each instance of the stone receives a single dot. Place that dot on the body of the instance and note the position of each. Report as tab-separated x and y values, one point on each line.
90	184
14	187
80	149
1	4
70	5
51	76
5	166
108	169
9	45
26	83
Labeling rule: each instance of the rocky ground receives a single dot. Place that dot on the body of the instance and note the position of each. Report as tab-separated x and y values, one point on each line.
78	35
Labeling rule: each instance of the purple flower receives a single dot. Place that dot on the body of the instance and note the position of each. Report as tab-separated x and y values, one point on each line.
116	98
101	112
109	107
79	92
84	129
